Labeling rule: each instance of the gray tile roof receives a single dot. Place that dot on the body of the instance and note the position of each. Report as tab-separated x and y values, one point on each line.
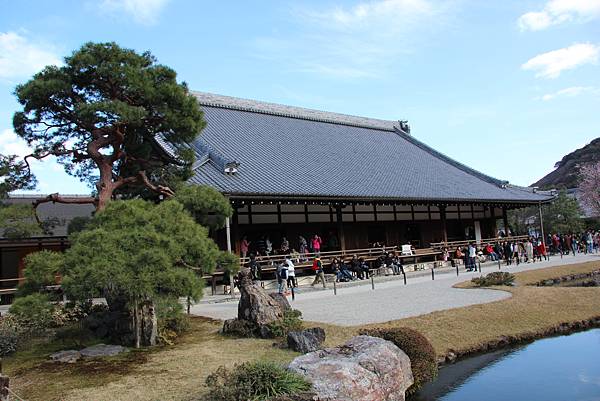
62	212
289	151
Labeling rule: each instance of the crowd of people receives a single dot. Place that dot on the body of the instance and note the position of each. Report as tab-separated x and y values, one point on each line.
263	246
564	244
529	250
510	251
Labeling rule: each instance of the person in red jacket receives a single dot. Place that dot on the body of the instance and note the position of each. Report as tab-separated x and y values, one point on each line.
542	251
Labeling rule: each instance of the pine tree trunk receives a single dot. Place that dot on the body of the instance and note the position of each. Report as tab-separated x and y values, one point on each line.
137	325
149	324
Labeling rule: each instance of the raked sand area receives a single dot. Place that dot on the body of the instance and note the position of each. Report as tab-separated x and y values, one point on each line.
391	299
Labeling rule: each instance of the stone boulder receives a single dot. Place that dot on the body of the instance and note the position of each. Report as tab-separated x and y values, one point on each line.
255	304
256	309
102	350
239	328
68	356
307	340
364	368
281	300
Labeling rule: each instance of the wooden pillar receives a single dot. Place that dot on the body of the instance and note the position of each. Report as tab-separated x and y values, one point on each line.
541	224
505	220
340	228
235	230
443	218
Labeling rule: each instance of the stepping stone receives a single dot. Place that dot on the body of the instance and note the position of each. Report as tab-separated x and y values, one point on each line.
102	350
68	356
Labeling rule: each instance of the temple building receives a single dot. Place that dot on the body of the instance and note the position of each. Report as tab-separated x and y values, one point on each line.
354	181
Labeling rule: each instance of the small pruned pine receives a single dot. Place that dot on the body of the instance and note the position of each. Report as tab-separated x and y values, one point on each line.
254	381
495	278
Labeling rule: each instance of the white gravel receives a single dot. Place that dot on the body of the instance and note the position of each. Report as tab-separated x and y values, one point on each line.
391	299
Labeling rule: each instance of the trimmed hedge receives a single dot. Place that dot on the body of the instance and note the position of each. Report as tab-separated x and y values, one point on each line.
417	347
292	321
254	381
495	278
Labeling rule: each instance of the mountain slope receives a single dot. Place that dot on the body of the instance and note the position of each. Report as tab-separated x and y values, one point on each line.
566	173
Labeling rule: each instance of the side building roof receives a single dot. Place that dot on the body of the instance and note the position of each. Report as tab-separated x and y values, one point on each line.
252	148
60	214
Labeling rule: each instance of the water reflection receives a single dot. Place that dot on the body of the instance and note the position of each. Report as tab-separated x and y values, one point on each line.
554	369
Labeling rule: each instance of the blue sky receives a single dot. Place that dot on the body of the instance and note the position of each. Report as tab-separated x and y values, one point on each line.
506	87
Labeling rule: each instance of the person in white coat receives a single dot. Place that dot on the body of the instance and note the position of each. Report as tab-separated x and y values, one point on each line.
291	280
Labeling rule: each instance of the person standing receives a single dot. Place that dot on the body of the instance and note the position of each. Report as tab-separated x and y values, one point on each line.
316	244
255	268
244	246
529	251
282	276
472	255
268	246
319	273
291	273
285	245
508	253
542	251
302	246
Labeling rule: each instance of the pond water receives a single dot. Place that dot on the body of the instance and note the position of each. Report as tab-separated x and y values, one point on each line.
565	368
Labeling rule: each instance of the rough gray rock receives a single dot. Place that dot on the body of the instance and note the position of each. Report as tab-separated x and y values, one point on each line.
307	340
282	300
68	356
255	304
256	309
364	368
102	350
239	328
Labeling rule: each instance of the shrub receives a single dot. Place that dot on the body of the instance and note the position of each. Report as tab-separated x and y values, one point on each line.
75	336
495	278
34	313
418	349
10	335
77	224
41	270
254	381
170	315
71	312
292	321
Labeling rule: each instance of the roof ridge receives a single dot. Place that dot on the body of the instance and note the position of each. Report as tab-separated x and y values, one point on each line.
275	109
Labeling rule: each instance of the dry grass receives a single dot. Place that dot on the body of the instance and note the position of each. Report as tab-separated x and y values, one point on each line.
178	373
534	276
530	309
170	373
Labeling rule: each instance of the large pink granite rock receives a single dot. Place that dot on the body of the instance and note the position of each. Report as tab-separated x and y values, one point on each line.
364	368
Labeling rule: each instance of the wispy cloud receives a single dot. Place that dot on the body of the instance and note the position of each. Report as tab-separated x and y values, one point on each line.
556	12
144	12
11	144
20	57
360	41
570	92
551	64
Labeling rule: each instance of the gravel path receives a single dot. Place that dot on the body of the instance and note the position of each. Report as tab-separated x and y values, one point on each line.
390	300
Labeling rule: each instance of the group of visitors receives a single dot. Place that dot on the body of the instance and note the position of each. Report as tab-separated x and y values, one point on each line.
263	246
529	250
564	244
471	255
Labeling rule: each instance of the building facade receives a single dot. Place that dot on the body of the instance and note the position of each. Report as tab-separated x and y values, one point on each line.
353	181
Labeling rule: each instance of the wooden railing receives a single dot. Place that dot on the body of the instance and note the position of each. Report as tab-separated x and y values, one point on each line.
326	257
454	244
13	288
